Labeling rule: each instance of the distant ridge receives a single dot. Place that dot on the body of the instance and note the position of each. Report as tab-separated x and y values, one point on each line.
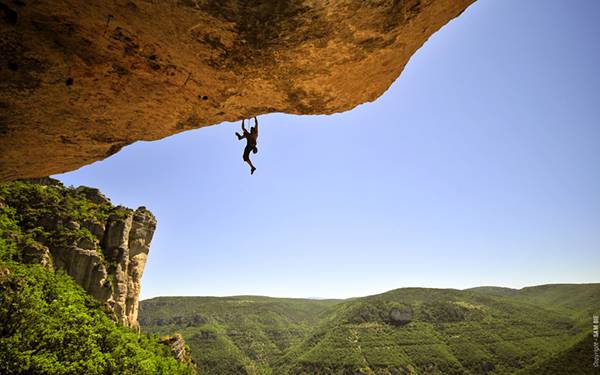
408	330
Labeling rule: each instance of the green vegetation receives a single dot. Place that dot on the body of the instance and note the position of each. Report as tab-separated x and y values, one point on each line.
36	202
49	214
48	323
577	359
412	330
51	326
234	335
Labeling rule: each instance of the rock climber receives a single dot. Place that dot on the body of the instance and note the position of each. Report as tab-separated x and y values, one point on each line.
251	137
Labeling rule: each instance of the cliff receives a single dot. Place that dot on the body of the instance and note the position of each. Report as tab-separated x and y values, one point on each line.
81	79
102	247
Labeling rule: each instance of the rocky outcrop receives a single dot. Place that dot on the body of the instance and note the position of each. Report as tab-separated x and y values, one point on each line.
81	79
176	344
36	253
126	244
104	248
110	267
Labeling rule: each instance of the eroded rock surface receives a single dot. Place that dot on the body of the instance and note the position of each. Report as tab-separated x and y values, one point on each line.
111	268
81	79
178	348
126	244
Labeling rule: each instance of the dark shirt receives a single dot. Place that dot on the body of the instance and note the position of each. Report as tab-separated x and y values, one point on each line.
251	137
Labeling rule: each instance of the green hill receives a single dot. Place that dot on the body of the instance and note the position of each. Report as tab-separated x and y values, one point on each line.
494	290
580	301
234	335
576	359
405	331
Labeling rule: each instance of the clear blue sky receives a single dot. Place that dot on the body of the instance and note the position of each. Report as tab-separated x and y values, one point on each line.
479	166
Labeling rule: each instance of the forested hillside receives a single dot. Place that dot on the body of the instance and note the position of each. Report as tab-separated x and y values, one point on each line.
405	331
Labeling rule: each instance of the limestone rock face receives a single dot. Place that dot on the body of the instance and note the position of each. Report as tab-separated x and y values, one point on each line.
87	268
177	345
400	316
81	79
126	243
111	267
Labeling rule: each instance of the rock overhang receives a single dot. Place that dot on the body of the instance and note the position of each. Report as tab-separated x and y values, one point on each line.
80	80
